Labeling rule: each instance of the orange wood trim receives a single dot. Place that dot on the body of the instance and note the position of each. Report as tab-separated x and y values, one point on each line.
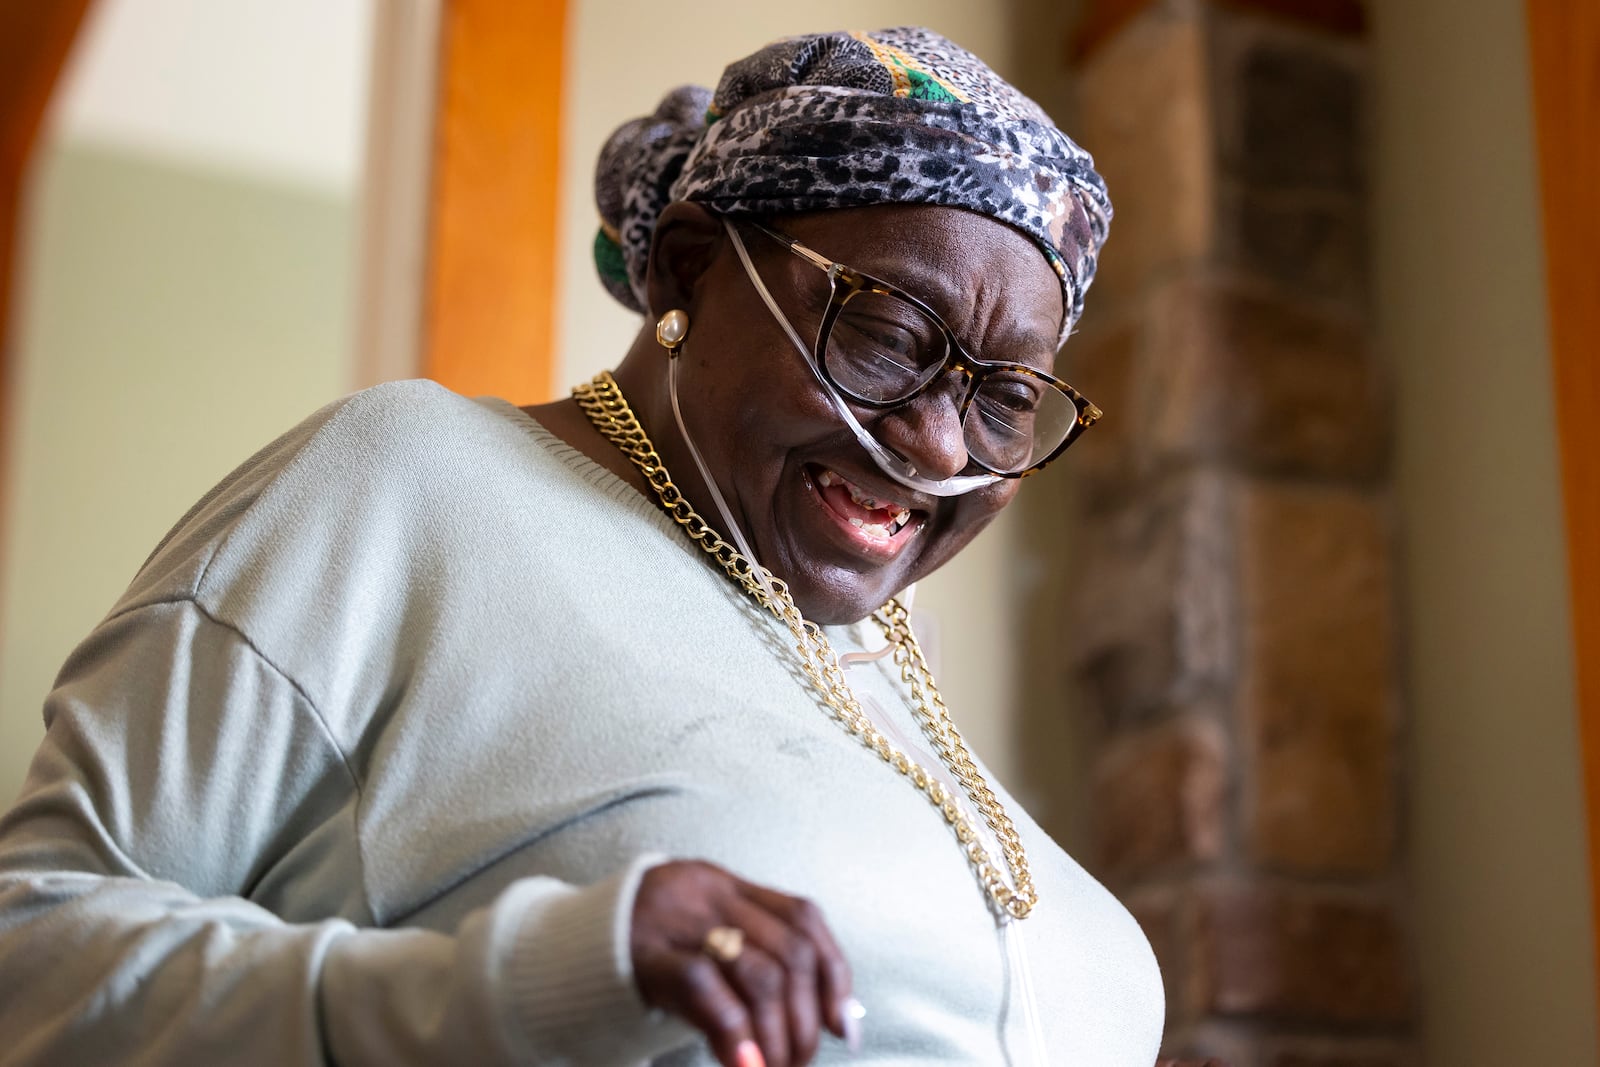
35	40
1102	19
1564	38
490	308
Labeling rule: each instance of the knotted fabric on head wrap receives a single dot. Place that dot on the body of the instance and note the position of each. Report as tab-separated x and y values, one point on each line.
837	120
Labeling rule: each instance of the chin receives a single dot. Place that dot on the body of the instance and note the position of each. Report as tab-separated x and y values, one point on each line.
845	548
841	598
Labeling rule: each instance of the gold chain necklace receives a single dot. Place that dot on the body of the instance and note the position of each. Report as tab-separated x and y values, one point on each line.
602	401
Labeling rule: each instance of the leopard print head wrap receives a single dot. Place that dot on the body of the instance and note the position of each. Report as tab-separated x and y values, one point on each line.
836	120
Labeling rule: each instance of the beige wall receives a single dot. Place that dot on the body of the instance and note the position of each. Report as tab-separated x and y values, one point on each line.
172	321
1496	829
623	55
272	88
183	295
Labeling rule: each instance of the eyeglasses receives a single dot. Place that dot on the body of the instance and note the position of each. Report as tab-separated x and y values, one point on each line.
881	346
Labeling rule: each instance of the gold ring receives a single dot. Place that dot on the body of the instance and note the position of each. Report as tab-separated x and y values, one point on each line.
723	943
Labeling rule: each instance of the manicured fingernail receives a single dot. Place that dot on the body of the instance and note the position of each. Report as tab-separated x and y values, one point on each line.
749	1055
854	1012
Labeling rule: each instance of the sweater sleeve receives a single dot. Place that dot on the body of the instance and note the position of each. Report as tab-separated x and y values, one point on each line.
178	771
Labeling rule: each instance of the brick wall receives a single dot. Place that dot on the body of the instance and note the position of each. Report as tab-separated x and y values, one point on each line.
1230	605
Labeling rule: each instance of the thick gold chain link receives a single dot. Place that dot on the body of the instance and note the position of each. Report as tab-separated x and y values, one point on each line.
602	401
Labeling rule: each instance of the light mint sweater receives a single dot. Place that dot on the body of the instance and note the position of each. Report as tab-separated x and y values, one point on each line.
365	766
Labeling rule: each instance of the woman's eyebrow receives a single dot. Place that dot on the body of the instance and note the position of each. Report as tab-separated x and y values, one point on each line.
938	288
1021	338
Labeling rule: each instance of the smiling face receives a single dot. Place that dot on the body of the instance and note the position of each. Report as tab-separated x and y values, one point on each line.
814	507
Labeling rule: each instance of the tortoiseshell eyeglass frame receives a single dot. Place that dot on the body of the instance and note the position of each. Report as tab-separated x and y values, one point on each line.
846	281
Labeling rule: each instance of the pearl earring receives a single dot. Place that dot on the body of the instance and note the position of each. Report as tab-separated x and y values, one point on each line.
672	329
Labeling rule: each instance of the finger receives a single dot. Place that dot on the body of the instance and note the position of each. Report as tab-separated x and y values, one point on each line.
833	970
797	955
698	992
760	981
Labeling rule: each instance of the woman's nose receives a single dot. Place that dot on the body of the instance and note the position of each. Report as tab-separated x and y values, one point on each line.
926	430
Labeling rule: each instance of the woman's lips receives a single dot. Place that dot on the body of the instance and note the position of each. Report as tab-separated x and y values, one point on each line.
881	518
877	526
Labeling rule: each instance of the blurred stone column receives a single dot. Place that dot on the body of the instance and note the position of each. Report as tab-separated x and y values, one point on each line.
1233	619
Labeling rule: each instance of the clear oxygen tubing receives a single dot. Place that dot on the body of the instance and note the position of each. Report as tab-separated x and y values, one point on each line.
1019	987
850	659
892	465
1018	982
761	572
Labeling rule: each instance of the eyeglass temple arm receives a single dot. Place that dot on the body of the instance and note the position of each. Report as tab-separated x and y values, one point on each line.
816	259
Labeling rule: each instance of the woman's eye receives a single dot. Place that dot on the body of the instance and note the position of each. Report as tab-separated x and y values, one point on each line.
896	341
885	339
1014	397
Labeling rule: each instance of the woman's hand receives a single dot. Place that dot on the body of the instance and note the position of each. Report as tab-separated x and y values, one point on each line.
760	998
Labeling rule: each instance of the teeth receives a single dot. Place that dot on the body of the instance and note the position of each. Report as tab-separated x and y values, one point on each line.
898	516
872	529
827	479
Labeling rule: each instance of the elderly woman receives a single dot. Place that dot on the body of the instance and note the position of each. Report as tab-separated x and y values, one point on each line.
447	732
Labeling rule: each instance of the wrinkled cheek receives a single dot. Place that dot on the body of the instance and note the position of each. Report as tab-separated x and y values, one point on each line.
978	509
817	405
992	499
800	415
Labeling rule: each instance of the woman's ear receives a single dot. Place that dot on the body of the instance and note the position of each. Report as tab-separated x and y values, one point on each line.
686	241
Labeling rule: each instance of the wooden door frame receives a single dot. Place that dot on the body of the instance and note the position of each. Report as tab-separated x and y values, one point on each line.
35	41
489	305
1564	44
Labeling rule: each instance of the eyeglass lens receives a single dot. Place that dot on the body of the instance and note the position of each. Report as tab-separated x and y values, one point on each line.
882	349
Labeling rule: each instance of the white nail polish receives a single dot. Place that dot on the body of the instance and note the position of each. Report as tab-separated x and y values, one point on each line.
854	1012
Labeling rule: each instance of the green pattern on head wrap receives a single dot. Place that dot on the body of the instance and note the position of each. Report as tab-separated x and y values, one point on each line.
927	87
835	120
608	259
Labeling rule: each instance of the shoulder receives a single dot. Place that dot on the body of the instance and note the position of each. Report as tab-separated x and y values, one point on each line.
362	468
374	430
376	427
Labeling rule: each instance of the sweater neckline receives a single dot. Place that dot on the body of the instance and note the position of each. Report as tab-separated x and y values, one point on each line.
607	482
574	460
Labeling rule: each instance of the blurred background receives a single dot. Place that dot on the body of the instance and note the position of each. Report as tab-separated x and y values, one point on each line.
1286	655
